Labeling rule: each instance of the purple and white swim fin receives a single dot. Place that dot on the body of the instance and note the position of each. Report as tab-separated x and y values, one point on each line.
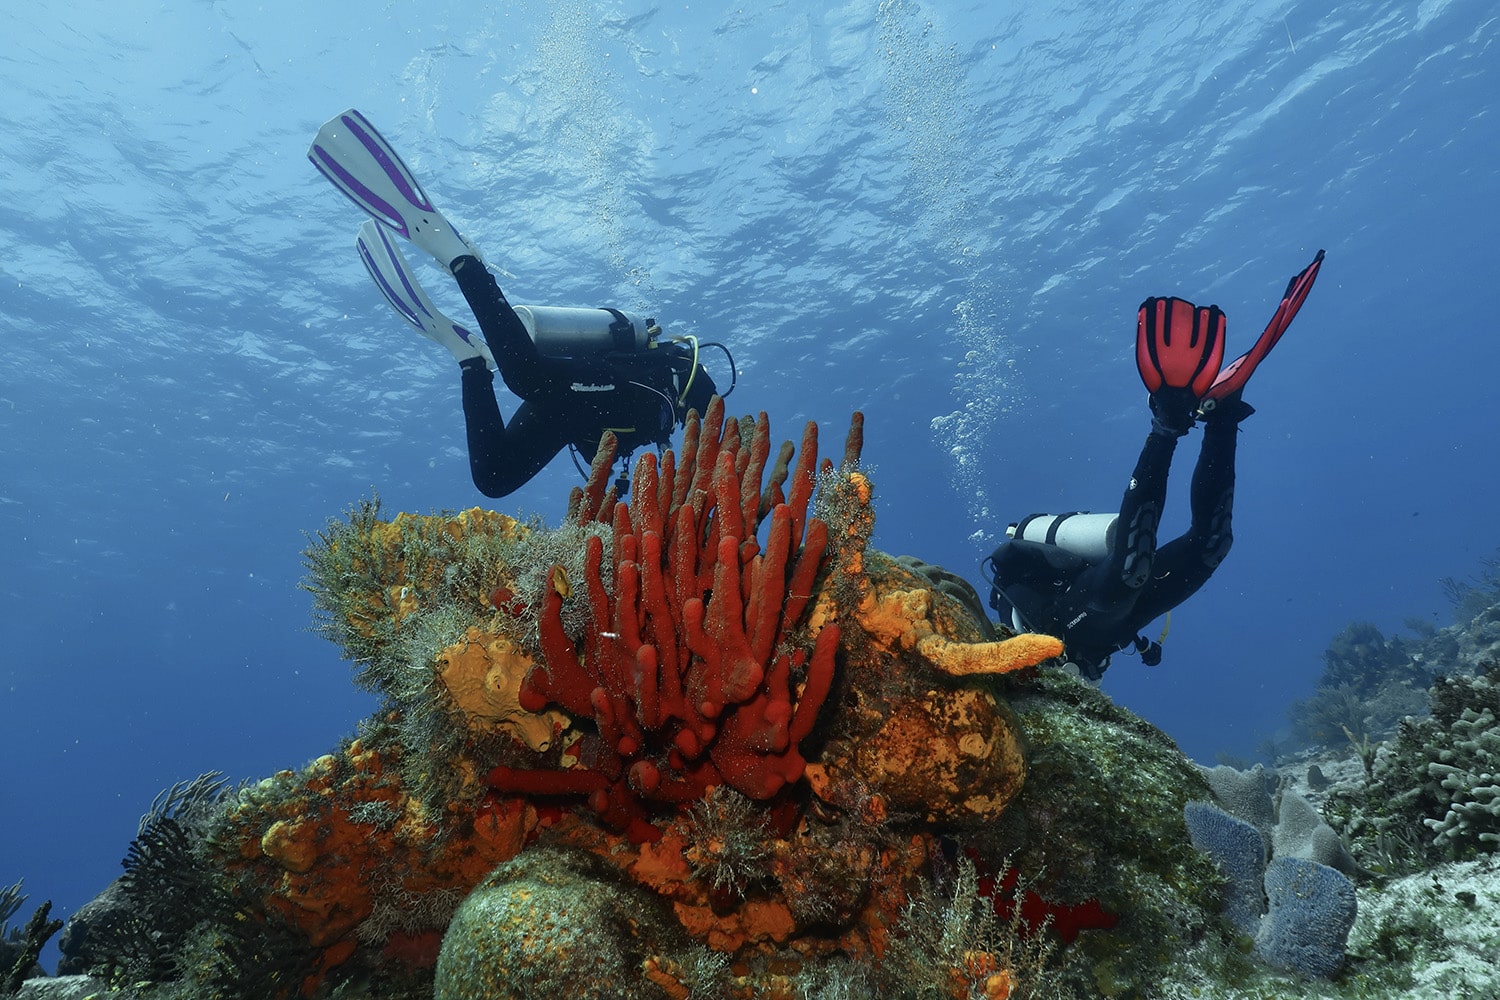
394	277
355	157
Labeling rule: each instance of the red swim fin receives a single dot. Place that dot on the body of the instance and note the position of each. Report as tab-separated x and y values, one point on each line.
1178	345
1233	378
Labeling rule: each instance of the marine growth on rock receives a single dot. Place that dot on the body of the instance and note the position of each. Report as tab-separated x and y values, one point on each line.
756	753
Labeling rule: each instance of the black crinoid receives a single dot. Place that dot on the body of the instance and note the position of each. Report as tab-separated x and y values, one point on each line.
173	916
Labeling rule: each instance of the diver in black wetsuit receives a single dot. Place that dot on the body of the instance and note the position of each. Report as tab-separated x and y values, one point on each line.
1099	606
1096	581
640	395
578	372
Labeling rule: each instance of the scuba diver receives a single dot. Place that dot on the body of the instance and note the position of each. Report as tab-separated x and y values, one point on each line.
1096	580
578	372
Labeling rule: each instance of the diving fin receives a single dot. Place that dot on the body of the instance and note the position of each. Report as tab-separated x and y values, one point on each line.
1232	379
394	277
355	157
1178	346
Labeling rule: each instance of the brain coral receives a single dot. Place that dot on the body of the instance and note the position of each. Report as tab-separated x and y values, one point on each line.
557	923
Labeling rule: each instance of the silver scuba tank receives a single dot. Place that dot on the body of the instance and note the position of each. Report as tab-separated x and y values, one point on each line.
1091	536
566	331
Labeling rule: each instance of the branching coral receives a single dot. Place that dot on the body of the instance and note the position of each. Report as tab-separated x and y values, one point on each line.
1472	822
1434	784
21	946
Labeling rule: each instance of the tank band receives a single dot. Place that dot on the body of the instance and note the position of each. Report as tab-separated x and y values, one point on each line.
621	329
1052	528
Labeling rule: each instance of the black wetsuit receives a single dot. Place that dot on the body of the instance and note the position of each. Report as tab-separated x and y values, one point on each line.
565	401
1098	608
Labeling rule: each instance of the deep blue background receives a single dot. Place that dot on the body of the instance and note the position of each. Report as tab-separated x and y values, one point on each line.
935	213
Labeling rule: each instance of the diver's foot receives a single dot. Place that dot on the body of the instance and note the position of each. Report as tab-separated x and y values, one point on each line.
462	344
1231	380
1172	412
399	285
1178	345
366	169
1229	410
433	233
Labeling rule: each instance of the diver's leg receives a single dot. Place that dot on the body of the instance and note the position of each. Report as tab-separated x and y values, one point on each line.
525	371
1213	483
1128	567
1097	609
1184	564
503	459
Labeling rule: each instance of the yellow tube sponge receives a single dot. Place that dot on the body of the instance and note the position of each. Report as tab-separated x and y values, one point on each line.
965	659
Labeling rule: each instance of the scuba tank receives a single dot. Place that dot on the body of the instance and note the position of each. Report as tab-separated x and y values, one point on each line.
568	331
1091	536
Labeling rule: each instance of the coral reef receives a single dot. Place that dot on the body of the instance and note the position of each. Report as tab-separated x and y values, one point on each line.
1369	684
1099	826
1431	793
165	893
401	597
954	941
1361	657
173	917
345	854
906	746
1476	602
713	703
12	943
704	742
1423	925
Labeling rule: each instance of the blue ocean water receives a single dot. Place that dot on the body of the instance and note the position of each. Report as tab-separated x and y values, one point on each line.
937	213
